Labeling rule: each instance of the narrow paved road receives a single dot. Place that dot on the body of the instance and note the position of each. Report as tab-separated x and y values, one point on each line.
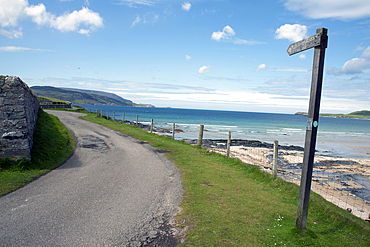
113	191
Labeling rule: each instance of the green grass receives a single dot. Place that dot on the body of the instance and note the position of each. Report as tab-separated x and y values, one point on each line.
41	98
53	144
229	203
365	114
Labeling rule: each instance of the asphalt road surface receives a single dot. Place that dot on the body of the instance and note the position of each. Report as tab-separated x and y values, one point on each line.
113	191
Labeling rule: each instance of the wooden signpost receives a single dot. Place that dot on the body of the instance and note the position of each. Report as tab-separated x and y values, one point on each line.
319	41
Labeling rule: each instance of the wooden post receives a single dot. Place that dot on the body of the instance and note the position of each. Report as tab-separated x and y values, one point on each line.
228	145
90	110
123	117
101	113
97	112
137	120
173	131
200	137
319	41
275	159
114	116
151	126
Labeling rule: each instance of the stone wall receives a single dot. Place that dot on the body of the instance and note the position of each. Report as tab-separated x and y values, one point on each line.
18	114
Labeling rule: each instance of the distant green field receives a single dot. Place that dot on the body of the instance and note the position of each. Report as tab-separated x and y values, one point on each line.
42	98
365	114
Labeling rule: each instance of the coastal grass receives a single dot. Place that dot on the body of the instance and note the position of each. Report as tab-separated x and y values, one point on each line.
52	145
229	203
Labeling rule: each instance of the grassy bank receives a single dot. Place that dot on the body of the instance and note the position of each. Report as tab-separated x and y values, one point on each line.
53	144
229	203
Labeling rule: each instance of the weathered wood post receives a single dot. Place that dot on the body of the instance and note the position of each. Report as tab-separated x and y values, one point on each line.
123	117
137	120
200	137
173	131
275	159
97	112
114	116
101	113
228	145
151	126
319	41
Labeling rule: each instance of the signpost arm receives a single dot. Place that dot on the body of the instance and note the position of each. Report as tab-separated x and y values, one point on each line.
311	129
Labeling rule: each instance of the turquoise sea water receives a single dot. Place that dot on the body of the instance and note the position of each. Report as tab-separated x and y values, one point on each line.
339	136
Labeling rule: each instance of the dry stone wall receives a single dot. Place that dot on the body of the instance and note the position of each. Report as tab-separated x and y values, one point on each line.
18	114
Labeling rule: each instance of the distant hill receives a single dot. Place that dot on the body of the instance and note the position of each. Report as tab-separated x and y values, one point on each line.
357	114
80	96
110	95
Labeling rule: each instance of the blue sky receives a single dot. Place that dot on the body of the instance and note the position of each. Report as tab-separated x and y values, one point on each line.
201	54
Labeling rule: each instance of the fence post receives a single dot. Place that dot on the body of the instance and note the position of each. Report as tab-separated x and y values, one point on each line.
173	131
228	145
114	116
123	117
151	126
101	113
200	138
275	159
97	112
137	120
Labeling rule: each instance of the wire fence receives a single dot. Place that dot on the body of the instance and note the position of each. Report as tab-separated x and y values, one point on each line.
345	182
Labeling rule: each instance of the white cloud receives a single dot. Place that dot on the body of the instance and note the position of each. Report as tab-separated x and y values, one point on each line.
12	33
264	67
38	14
357	65
18	49
186	6
133	3
149	17
16	9
366	53
205	69
187	57
11	11
260	67
338	9
136	21
302	56
293	32
226	33
72	21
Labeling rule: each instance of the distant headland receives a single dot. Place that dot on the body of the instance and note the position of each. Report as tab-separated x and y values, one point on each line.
364	114
81	96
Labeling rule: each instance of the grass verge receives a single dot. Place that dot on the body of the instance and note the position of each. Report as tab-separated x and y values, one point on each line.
52	145
229	203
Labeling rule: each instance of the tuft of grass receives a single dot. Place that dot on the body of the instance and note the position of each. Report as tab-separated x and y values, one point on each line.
52	145
229	203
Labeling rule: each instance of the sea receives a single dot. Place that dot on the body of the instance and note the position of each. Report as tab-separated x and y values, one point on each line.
341	137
